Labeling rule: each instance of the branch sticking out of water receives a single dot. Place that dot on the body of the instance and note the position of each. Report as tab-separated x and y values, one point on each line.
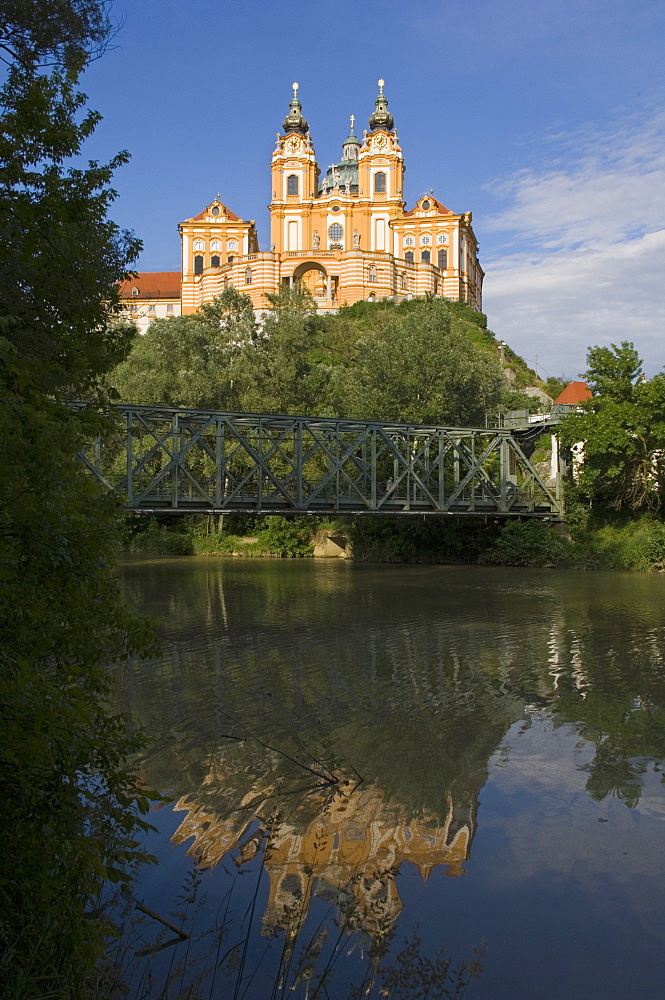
325	775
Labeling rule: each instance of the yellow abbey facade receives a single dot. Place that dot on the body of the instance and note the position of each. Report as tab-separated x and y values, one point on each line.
347	235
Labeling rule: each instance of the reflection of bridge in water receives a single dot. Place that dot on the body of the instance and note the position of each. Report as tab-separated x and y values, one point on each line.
204	461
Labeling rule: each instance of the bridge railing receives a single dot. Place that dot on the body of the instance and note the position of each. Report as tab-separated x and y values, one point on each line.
183	460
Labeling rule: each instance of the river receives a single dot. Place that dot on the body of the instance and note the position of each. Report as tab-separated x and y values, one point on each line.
390	778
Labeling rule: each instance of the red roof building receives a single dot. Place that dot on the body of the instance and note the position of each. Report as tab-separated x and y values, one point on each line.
574	394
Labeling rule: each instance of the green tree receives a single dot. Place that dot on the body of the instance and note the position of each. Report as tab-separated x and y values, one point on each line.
622	431
71	805
196	360
282	373
421	368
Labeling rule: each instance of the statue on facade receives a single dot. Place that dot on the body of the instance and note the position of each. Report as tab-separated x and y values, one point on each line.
316	239
335	177
356	240
347	186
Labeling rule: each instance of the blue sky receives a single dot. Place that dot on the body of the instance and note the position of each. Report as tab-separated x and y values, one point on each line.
543	117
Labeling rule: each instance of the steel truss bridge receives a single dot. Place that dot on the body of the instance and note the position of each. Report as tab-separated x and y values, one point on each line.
162	459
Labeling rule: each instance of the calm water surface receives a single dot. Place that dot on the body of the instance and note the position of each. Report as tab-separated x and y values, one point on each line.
455	757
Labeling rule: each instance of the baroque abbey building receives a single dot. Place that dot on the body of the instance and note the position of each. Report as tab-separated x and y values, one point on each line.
347	235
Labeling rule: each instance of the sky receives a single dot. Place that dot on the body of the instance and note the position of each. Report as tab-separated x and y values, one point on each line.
545	118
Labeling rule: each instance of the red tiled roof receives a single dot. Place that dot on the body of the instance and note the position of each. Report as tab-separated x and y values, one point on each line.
575	392
231	216
152	285
437	204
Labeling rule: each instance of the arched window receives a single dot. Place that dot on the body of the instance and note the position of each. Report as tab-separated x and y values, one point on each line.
442	258
248	276
371	297
215	245
408	256
442	238
292	184
232	246
198	264
226	283
379	182
198	244
372	272
425	256
425	240
409	241
335	232
230	258
215	261
403	282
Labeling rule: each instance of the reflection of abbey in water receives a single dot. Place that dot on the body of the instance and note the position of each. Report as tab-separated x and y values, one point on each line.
355	842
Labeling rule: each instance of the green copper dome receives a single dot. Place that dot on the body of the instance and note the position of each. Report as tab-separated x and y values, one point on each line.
294	121
381	117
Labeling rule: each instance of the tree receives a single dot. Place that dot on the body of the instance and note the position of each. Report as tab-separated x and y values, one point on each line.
195	360
421	369
622	430
72	806
282	373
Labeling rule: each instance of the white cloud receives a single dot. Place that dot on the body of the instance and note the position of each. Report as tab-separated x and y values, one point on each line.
586	239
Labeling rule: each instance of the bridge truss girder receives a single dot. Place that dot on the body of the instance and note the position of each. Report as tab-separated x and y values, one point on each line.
194	461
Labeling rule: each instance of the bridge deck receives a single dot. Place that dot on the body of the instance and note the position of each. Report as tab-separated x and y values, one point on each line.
193	461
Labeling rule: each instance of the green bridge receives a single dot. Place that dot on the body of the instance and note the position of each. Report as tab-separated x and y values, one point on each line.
162	459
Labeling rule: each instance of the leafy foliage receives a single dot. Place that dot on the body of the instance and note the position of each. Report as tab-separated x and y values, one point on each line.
528	543
623	432
72	807
191	360
415	364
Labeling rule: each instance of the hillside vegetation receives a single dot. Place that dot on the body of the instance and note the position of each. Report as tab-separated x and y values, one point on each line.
426	360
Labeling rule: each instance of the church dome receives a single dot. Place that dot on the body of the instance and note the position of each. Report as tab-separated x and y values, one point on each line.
294	121
381	117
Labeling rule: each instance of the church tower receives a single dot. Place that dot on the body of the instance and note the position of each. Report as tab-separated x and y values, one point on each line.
295	176
381	178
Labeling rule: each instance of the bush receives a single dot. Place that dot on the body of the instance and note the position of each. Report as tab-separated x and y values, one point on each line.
637	546
288	536
529	543
160	540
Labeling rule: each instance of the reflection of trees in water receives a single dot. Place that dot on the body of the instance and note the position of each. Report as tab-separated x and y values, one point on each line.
416	702
615	698
417	706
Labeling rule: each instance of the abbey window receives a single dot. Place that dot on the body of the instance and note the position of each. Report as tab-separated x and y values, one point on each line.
292	184
379	182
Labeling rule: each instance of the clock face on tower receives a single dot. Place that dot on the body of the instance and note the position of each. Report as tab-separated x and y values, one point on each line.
294	144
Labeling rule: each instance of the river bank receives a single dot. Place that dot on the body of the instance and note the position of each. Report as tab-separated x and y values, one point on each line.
611	543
